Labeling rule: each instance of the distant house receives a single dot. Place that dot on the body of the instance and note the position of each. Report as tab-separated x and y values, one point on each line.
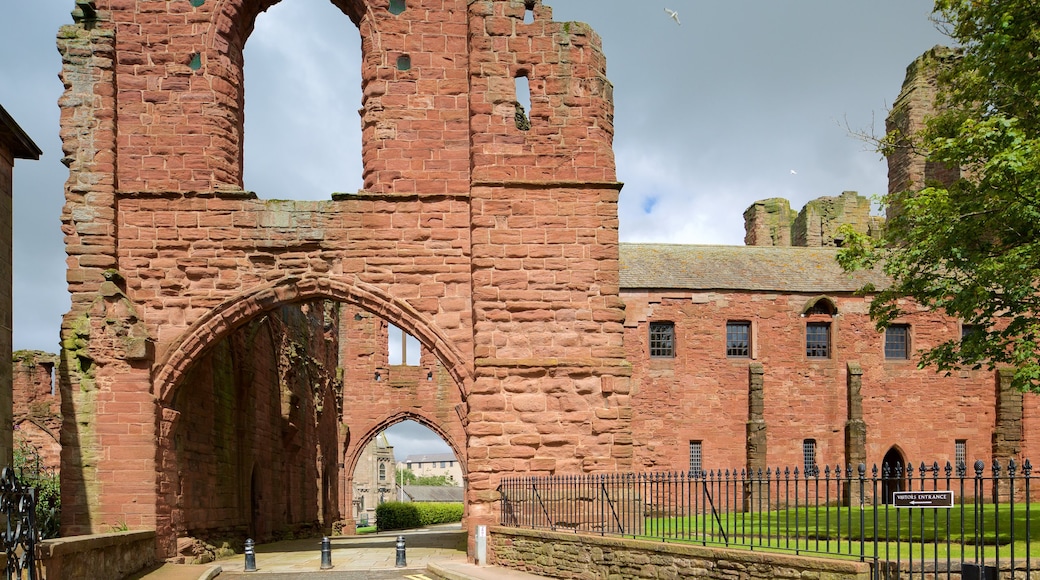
433	464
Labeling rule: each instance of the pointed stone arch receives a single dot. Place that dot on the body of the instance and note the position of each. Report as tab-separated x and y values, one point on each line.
354	452
235	311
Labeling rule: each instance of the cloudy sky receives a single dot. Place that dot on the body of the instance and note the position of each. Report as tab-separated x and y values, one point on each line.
746	99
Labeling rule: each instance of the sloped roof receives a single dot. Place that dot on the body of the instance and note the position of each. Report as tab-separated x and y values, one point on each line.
11	135
752	268
426	458
442	493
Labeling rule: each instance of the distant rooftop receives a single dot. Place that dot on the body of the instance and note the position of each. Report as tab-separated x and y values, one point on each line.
430	457
751	268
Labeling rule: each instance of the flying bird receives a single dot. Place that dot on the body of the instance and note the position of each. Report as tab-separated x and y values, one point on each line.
793	172
673	15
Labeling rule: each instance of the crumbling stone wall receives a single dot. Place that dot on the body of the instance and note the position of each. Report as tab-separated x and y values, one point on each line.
494	245
770	222
908	169
37	406
253	431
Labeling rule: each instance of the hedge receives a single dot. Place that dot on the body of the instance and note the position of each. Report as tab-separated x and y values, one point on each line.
396	515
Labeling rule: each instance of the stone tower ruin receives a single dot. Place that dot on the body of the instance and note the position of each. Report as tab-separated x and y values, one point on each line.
492	241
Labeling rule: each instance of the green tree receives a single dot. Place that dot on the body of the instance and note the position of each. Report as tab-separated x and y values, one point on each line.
971	248
408	477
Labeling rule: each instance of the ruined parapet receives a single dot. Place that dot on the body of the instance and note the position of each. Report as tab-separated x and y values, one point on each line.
770	222
818	223
907	167
767	222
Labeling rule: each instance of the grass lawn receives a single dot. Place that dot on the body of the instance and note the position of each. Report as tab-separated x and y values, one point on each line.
923	534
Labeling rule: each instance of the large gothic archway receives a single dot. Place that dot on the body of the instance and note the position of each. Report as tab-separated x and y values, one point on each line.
494	244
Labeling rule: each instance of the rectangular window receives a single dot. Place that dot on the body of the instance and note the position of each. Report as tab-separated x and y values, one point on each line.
961	453
738	339
662	340
818	340
897	342
696	458
969	329
809	457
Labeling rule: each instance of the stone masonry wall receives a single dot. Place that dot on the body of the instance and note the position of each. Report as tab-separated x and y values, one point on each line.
770	222
248	438
702	395
559	555
37	406
907	167
494	245
377	394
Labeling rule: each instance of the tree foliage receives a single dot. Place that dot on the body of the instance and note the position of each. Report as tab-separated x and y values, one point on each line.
408	477
971	248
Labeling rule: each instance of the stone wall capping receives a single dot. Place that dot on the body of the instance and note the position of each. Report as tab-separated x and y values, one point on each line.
213	194
550	184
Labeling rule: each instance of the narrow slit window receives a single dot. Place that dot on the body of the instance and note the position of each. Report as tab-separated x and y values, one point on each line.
523	102
809	457
696	458
402	348
961	453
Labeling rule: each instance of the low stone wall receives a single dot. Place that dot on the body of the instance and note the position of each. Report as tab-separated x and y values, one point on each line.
102	556
562	555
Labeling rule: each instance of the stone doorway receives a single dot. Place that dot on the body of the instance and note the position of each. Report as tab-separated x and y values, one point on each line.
895	481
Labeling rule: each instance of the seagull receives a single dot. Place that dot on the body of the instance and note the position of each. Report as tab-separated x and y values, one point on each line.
673	15
793	172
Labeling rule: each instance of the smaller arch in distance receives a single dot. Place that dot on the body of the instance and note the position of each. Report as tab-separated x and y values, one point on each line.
350	463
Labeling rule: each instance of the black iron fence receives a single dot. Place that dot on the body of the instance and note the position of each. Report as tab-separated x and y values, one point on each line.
18	506
923	522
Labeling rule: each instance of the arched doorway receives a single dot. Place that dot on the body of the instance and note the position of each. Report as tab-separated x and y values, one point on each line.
405	461
893	472
256	421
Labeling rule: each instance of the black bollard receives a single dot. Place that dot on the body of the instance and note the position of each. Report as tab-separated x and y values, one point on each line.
250	556
401	563
326	553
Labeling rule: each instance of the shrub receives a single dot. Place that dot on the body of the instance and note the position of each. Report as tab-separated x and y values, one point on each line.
395	515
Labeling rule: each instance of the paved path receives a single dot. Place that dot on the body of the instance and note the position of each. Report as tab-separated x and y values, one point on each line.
431	554
334	575
369	552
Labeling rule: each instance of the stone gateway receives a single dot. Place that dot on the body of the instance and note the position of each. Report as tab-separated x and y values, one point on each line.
193	405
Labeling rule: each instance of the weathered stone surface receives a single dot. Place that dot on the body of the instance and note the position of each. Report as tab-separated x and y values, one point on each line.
495	247
569	556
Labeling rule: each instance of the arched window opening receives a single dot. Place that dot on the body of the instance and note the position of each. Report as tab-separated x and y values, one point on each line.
302	136
421	461
528	11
